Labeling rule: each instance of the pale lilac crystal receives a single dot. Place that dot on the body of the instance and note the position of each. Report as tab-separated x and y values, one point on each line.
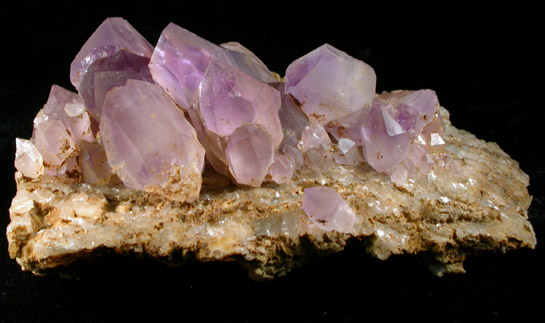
67	107
313	136
230	99
250	153
53	142
423	101
292	118
401	131
347	153
94	164
179	62
330	84
349	126
327	209
108	72
148	142
246	61
282	169
382	151
296	156
111	36
28	159
70	170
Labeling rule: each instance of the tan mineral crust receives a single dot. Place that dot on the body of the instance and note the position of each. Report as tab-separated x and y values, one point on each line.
474	201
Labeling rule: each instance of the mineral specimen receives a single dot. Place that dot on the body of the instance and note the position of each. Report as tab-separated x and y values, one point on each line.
197	152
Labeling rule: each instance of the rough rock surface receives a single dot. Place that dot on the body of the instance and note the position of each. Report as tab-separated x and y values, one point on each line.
444	216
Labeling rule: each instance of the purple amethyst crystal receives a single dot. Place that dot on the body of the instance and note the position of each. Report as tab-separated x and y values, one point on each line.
148	142
110	37
28	159
250	153
395	128
179	62
128	123
330	84
327	209
108	72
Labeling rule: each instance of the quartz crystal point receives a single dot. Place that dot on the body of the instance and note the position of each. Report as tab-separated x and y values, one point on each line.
330	84
327	209
53	141
28	159
230	99
250	153
109	72
395	125
181	58
179	62
292	118
246	61
148	142
110	37
94	164
67	107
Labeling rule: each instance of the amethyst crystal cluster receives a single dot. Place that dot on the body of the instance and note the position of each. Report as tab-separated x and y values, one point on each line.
151	118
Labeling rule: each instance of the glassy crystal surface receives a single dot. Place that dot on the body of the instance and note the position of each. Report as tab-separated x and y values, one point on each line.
67	107
229	99
330	84
28	159
250	153
53	142
246	61
110	37
327	209
179	62
94	164
394	131
148	142
108	72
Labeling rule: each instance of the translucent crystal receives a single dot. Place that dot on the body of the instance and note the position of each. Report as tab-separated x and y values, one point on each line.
179	62
282	168
108	72
382	150
67	107
330	84
111	36
53	142
250	153
327	209
28	159
313	136
94	164
246	61
148	142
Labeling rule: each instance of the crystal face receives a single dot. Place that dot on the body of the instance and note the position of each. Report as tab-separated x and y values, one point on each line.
109	72
110	37
148	142
127	123
327	209
330	84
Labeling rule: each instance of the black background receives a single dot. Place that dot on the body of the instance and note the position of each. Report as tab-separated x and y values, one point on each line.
486	65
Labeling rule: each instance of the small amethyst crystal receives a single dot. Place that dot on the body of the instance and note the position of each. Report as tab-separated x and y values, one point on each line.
327	209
